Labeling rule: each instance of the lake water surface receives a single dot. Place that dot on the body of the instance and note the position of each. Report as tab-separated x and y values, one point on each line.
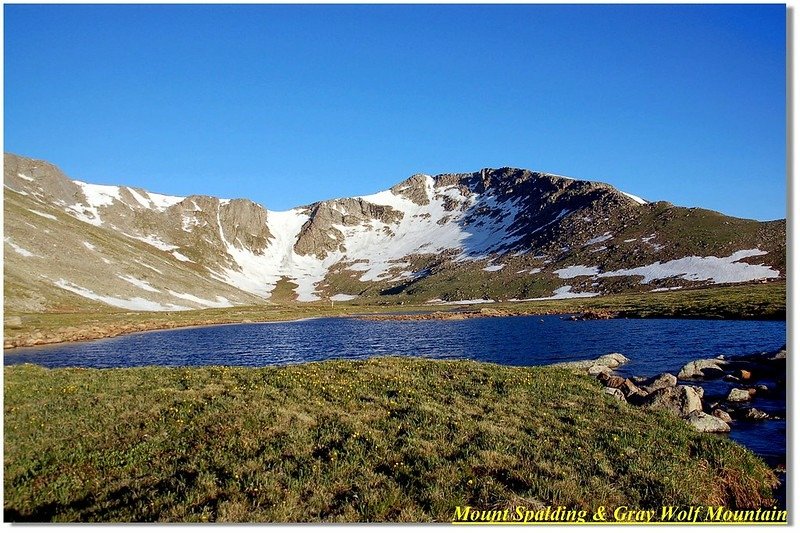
653	345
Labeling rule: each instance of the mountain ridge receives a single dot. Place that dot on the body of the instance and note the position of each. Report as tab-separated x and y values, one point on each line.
502	233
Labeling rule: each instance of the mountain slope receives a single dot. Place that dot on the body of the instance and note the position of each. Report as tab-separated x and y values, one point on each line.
494	234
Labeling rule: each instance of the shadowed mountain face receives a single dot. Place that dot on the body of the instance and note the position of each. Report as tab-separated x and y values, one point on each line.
495	234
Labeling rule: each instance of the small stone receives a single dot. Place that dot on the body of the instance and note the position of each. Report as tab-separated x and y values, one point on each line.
616	393
738	395
744	374
611	381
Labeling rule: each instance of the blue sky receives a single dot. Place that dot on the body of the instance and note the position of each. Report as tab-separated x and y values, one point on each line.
287	105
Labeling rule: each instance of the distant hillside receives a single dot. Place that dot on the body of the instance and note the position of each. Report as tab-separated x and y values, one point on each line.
490	235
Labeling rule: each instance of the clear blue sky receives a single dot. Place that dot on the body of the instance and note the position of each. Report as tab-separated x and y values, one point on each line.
291	104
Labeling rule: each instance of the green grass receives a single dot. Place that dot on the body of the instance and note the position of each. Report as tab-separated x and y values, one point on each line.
387	439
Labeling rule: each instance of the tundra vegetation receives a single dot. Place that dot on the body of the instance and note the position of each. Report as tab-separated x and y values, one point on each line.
383	439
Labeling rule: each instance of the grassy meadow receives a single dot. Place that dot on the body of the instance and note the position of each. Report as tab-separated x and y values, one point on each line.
385	439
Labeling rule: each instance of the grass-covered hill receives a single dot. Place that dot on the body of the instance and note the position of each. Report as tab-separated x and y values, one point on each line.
386	439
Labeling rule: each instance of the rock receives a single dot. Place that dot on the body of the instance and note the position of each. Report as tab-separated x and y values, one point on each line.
681	400
612	360
595	370
706	423
660	381
597	366
744	374
762	388
738	395
699	390
616	393
780	355
722	415
754	414
610	380
731	378
702	368
629	389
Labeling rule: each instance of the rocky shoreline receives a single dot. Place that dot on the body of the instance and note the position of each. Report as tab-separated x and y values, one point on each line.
488	312
748	377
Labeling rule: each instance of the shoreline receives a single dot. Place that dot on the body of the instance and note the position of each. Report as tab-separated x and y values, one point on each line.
741	302
74	334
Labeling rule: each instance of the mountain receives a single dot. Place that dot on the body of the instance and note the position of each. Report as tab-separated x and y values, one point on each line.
494	234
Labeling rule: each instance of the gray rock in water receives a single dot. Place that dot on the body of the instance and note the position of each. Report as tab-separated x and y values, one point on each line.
681	400
661	381
612	360
706	423
602	364
699	390
616	393
702	368
722	415
738	395
595	370
754	414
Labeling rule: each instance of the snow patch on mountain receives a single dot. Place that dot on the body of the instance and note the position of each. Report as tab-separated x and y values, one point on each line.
565	292
45	215
599	239
19	249
138	283
635	198
221	301
343	297
711	268
575	271
162	201
133	304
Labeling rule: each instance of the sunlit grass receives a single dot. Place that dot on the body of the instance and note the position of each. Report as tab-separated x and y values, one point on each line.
387	439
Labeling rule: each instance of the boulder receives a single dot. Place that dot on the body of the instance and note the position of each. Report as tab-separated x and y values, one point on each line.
738	395
681	400
612	360
744	375
722	415
706	423
753	414
616	393
702	368
595	370
602	364
661	381
780	355
629	389
699	390
610	380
